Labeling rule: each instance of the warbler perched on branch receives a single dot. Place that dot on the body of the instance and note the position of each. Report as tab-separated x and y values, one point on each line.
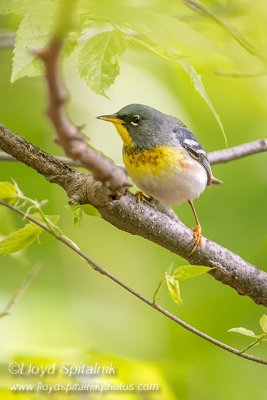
162	157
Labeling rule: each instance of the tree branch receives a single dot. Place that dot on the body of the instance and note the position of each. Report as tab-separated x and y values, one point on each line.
233	153
144	220
160	309
68	135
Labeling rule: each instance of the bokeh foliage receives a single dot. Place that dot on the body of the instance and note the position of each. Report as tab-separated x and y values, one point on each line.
68	305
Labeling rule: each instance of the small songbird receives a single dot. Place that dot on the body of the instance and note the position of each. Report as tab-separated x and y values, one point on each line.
162	157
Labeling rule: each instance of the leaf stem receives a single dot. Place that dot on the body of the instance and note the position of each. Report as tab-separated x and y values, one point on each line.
157	290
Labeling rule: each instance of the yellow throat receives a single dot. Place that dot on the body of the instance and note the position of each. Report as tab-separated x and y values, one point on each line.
156	161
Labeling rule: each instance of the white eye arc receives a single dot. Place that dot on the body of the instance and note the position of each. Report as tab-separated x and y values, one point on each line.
135	120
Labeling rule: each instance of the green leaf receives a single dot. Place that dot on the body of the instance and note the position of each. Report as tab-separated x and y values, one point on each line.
243	331
8	192
196	79
70	44
90	210
15	6
161	29
98	59
20	239
174	289
263	323
189	271
33	34
77	213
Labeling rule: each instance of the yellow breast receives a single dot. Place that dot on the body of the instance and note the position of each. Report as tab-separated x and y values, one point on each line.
157	161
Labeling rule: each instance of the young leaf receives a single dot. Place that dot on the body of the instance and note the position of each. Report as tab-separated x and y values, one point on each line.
196	79
263	323
8	192
77	213
189	271
243	331
70	43
174	289
98	59
90	210
33	33
20	239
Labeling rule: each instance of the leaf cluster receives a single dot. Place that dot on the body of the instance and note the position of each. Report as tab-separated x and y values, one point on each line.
174	279
100	33
24	237
262	337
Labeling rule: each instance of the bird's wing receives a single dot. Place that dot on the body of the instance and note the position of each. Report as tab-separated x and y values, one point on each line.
194	149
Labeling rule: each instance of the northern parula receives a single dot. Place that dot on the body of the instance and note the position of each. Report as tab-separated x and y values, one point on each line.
162	157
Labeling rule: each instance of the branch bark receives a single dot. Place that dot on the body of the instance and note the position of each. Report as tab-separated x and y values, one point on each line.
144	220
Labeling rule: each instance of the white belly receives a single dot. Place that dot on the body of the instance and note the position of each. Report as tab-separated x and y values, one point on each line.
174	187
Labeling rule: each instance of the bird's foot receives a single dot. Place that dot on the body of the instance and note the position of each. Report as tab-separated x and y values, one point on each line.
197	238
141	197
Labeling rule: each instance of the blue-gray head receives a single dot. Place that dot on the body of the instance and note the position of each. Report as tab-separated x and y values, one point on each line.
144	127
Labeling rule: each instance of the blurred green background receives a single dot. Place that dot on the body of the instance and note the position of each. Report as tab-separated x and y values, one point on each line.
71	308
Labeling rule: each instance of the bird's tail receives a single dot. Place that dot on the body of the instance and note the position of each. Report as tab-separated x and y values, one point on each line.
215	181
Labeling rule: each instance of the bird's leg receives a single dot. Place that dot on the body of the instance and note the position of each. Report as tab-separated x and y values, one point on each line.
141	197
197	230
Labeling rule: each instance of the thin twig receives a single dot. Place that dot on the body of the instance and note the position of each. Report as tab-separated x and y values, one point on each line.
198	7
160	309
233	153
22	288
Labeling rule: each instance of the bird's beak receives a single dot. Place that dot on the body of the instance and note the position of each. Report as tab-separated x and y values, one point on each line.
111	118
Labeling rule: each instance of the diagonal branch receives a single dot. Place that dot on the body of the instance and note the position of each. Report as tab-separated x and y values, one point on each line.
200	8
144	220
68	135
160	309
21	289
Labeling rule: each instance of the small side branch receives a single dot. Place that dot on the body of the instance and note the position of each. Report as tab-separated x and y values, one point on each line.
200	8
150	303
234	153
22	289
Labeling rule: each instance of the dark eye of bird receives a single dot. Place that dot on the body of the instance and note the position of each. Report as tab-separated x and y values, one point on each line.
135	120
